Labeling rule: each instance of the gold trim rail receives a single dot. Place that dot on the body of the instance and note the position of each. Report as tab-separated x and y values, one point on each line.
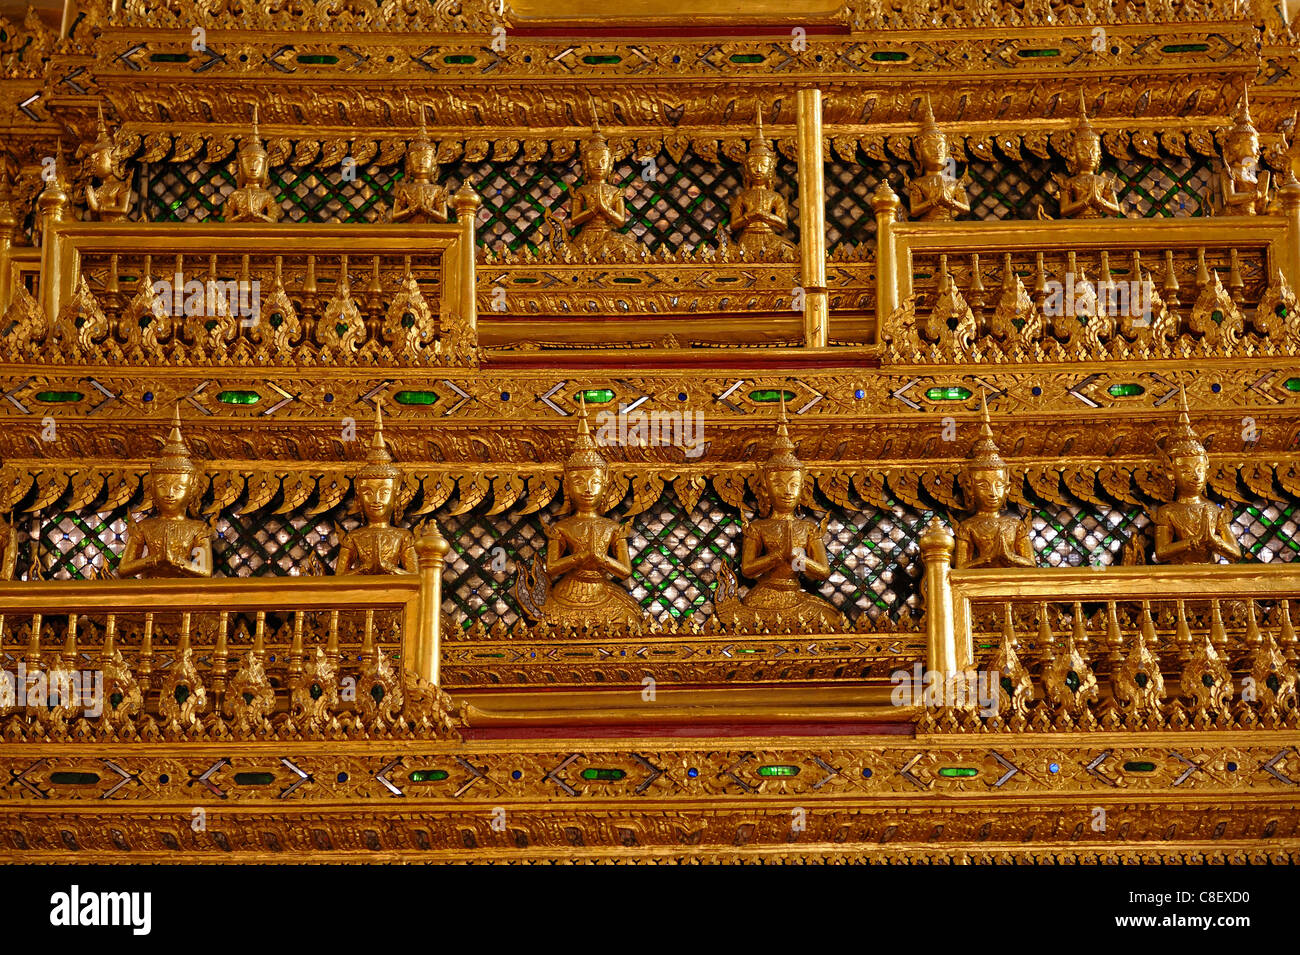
900	242
176	604
951	593
66	244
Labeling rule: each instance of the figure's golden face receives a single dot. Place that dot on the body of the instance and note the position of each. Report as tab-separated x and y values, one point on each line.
171	492
586	486
420	162
987	488
1087	152
597	163
253	166
1190	472
377	496
932	148
761	166
101	163
784	487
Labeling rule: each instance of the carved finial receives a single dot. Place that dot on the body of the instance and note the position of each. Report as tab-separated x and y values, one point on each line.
585	453
984	451
379	462
927	114
175	457
1182	440
1084	126
101	129
781	456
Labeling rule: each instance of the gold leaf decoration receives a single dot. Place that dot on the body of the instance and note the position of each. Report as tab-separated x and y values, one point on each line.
688	488
542	489
506	490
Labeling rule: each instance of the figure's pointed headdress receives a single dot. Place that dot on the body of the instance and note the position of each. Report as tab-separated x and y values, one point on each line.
1083	128
102	138
379	463
253	141
597	140
984	451
175	457
1181	440
759	143
1242	125
585	453
928	125
781	456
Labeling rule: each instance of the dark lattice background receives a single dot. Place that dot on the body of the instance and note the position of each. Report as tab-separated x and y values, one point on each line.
671	205
874	555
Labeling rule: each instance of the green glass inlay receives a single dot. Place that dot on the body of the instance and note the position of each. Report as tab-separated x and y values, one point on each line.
317	59
602	59
254	779
169	57
1185	48
74	779
1280	311
1292	384
1026	54
58	397
428	775
1125	391
239	397
1216	316
778	770
182	694
605	775
963	772
889	56
1073	682
1139	767
597	396
459	59
747	58
770	395
416	397
948	393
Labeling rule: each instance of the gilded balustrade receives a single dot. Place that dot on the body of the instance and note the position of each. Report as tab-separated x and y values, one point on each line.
243	293
1029	290
301	654
1137	643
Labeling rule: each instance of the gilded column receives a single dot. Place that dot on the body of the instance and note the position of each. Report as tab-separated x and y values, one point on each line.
51	205
885	203
812	219
944	652
466	203
1289	193
426	655
7	226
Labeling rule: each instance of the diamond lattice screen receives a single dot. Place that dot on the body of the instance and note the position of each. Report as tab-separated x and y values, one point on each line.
672	205
1170	186
874	552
